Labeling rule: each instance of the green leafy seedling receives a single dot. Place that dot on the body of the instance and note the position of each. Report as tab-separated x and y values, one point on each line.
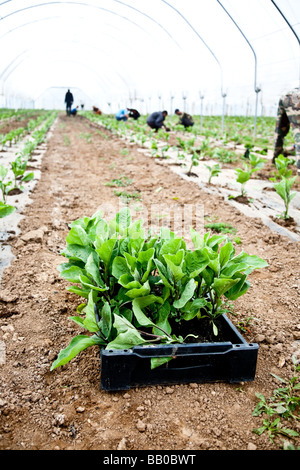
194	162
6	209
220	227
215	170
242	177
284	190
256	163
282	168
128	196
18	167
4	185
121	181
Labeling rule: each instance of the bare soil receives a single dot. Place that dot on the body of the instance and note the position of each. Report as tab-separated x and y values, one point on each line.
14	122
66	409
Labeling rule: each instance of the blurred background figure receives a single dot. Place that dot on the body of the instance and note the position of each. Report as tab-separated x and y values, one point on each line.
288	116
96	110
133	113
69	101
185	119
156	120
126	113
122	115
74	111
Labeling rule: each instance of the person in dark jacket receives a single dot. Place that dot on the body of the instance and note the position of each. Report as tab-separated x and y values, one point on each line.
126	113
133	113
156	120
288	116
69	101
185	119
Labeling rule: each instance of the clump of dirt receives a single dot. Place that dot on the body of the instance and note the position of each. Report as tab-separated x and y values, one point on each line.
66	408
15	192
242	199
288	222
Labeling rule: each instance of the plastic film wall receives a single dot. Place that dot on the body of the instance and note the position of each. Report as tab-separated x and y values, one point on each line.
237	54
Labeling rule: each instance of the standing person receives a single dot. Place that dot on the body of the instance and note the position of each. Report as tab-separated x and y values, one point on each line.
69	101
156	120
288	116
185	119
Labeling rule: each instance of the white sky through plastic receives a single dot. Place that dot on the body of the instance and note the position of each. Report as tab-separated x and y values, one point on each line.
149	54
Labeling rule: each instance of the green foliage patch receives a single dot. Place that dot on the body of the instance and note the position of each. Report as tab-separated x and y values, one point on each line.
137	286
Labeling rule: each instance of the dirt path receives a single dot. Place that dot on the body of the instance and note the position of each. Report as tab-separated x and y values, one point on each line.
66	409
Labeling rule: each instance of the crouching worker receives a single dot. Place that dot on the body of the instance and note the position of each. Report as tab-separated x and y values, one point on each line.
156	120
288	116
96	110
122	115
185	119
74	111
133	113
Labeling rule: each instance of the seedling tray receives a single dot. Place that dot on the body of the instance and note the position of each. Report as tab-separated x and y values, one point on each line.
233	360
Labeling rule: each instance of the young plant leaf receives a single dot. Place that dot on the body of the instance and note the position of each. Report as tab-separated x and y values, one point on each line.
222	285
77	252
186	294
107	319
6	209
78	236
137	305
127	336
90	321
77	344
195	262
72	273
105	251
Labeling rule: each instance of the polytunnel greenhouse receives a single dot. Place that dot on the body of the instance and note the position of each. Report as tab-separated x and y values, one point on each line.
149	227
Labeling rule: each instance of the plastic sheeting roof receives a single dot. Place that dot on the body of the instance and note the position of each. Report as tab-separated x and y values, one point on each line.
150	54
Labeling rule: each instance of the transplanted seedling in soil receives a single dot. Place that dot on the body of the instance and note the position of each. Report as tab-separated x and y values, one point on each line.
127	197
4	184
242	177
282	168
256	163
284	190
194	162
215	170
121	181
5	209
220	227
19	167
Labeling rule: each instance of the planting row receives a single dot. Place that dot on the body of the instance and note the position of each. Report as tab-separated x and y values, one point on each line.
15	135
205	141
238	130
7	114
13	175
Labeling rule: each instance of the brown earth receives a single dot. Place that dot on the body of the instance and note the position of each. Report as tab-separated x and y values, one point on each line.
66	408
14	122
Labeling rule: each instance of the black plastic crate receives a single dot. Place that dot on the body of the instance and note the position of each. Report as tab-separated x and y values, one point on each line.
233	360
